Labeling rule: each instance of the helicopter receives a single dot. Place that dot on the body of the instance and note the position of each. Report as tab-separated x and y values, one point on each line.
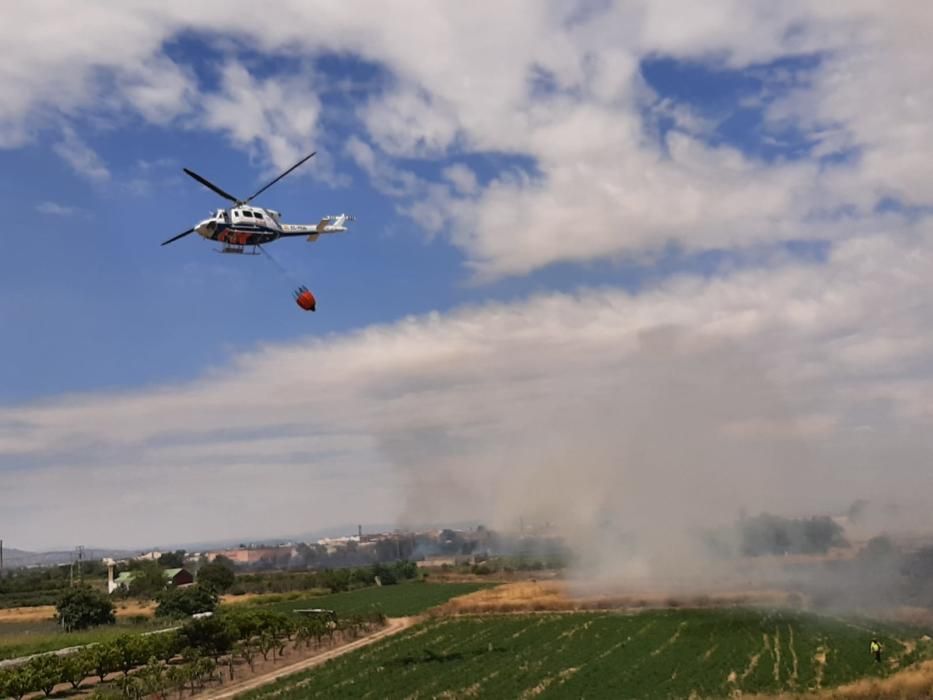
244	226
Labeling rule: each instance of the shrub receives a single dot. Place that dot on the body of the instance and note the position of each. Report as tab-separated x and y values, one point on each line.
218	575
106	659
16	682
83	607
184	602
213	636
45	672
76	667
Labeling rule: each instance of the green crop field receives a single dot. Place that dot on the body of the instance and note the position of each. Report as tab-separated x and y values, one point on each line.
657	654
23	639
395	601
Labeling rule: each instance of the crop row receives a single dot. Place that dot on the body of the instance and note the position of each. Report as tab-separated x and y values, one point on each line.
658	654
182	658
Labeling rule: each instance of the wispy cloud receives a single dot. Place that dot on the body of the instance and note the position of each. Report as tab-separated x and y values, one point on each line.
675	406
562	89
56	209
82	159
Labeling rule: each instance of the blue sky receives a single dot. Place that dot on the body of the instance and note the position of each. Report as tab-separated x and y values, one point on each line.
105	307
548	211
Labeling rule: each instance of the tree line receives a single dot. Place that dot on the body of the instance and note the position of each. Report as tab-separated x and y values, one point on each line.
43	586
187	658
331	580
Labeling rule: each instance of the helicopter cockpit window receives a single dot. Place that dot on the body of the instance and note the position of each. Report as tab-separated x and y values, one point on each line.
257	214
247	213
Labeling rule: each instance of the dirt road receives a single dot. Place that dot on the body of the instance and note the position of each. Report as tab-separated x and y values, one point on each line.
395	625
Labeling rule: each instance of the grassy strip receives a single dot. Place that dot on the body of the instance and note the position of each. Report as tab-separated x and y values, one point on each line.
20	639
400	600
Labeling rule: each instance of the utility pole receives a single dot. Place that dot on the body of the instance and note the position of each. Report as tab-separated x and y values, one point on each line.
80	568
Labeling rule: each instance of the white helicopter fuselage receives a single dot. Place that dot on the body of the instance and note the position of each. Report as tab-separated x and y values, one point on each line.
252	226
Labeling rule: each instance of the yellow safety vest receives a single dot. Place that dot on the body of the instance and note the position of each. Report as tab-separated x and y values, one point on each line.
875	647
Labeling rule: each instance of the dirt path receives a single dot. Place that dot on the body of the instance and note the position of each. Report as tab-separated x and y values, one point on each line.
395	625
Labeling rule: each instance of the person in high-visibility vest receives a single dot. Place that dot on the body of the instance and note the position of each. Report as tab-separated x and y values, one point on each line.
875	647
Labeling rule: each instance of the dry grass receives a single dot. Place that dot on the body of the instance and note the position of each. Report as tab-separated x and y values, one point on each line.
38	613
124	609
556	596
44	613
909	684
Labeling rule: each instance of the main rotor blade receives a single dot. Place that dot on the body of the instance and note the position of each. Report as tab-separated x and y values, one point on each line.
180	235
247	201
210	185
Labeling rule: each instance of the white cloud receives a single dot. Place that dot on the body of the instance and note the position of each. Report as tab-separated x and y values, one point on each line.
407	121
690	399
385	177
557	84
81	157
462	178
736	388
279	115
870	95
159	89
56	209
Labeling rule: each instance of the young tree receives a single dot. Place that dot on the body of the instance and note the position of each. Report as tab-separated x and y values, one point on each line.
172	560
165	645
134	650
78	666
148	580
83	607
245	650
204	669
106	658
45	672
218	575
16	683
212	636
184	602
267	643
151	678
178	677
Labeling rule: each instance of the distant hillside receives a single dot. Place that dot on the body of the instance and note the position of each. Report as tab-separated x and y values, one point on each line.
19	558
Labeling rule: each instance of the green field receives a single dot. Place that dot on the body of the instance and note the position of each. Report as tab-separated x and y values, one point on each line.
23	639
395	601
657	654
